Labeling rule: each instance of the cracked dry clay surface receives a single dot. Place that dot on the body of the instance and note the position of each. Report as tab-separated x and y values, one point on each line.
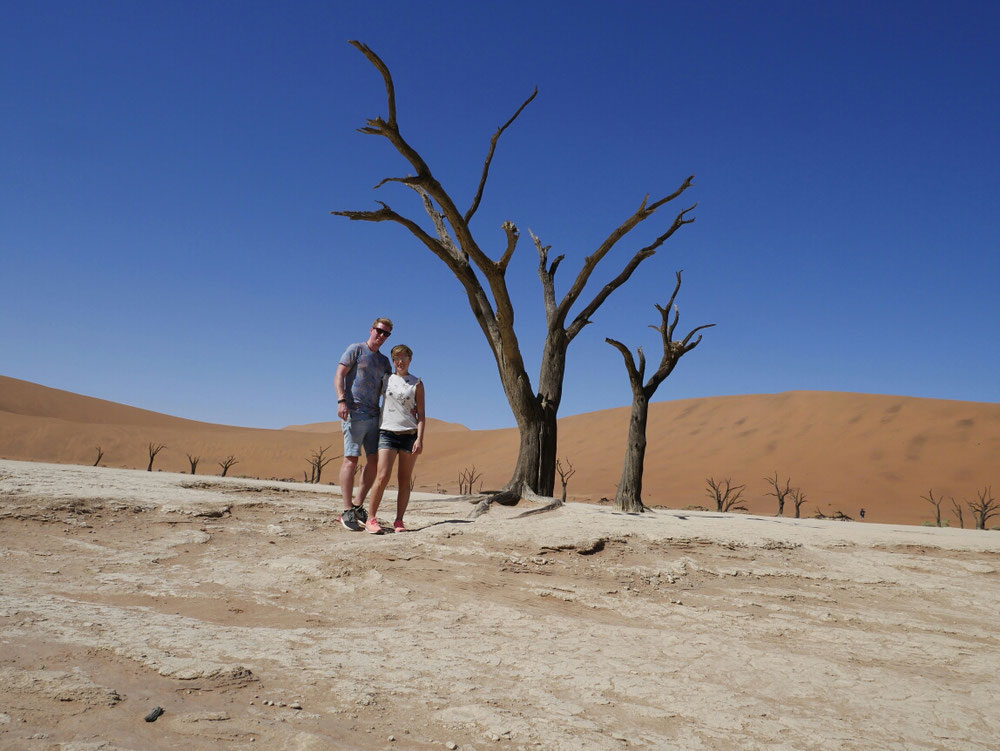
246	612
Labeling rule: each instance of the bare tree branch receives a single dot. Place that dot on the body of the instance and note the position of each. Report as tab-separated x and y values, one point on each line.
489	157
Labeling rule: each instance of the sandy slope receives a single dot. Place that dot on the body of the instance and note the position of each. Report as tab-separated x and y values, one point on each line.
847	451
244	610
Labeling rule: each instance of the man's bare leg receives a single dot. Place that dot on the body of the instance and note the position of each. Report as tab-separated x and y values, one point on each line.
367	478
347	471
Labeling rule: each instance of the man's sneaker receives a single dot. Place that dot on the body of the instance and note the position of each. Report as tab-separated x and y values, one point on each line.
372	527
399	527
350	520
360	514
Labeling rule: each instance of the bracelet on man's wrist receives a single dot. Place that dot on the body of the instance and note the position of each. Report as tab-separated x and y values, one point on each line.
341	401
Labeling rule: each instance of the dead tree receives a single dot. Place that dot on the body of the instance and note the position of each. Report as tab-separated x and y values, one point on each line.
154	449
467	479
957	508
725	495
984	508
226	463
799	500
317	462
779	492
484	281
564	474
193	461
629	495
100	455
936	503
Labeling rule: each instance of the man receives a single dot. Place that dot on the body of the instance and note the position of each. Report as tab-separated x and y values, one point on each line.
359	385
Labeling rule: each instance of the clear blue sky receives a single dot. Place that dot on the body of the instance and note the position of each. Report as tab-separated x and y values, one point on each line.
169	168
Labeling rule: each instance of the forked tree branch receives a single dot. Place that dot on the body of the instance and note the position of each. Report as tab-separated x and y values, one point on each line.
634	373
641	214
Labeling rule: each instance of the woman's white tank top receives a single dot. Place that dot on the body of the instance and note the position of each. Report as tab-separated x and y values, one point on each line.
399	408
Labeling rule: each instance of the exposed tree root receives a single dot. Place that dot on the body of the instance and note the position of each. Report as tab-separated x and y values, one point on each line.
511	497
556	503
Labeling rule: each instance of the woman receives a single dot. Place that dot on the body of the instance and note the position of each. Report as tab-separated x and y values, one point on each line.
401	431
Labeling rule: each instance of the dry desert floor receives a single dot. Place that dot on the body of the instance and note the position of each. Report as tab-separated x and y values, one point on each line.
254	620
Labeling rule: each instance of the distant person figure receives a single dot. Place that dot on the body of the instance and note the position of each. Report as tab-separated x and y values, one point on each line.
862	513
401	432
359	385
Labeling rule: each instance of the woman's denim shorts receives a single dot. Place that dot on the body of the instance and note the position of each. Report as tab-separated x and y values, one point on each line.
396	441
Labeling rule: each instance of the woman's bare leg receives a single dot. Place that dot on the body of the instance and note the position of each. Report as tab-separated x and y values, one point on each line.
405	474
386	457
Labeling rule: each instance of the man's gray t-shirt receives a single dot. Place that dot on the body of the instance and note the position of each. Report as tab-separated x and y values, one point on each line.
363	384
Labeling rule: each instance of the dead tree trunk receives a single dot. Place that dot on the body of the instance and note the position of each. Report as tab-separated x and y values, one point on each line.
226	463
726	497
779	492
799	500
485	283
154	449
193	461
984	508
629	496
317	462
100	455
957	508
564	474
936	503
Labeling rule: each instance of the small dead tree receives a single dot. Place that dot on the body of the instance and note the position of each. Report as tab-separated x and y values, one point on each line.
226	463
467	479
154	449
564	474
936	503
799	500
957	508
779	492
193	461
317	462
629	495
984	508
484	280
100	455
725	494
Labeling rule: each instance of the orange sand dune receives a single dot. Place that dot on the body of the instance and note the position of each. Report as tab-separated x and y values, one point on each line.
846	451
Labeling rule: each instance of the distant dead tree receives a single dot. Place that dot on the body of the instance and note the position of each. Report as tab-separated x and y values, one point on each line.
193	460
936	503
984	508
154	449
484	281
564	474
838	515
957	508
317	462
779	492
226	463
799	499
100	455
629	495
725	494
466	479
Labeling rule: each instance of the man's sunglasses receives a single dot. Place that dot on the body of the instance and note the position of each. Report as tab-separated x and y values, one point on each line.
383	332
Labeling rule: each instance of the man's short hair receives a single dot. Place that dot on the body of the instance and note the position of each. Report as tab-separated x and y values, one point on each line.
384	321
402	349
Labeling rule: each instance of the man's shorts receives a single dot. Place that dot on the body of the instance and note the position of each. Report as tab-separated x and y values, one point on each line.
397	441
358	432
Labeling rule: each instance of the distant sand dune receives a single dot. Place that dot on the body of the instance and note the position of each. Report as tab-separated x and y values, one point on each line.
847	451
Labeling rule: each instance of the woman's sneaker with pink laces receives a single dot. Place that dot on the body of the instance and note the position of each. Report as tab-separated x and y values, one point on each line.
372	526
399	527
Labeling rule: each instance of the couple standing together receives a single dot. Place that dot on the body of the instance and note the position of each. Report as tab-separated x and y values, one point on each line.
364	376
